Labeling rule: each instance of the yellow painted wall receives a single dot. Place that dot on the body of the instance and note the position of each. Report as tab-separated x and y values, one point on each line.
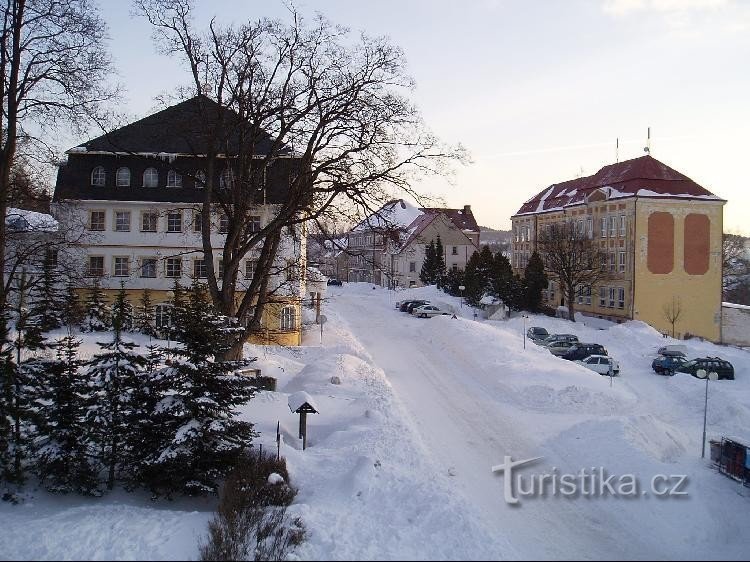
270	335
700	295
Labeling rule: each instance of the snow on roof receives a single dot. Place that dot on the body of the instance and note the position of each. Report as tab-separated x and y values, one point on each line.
298	399
21	220
394	214
489	299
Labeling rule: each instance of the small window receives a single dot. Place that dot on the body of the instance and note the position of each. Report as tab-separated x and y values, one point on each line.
612	263
95	266
197	221
455	251
148	268
199	268
226	179
623	225
122	221
174	221
162	316
121	266
250	266
253	222
51	257
590	227
622	262
612	226
412	267
288	318
174	179
149	221
220	269
96	220
98	176
122	178
200	179
173	267
150	177
604	227
611	297
621	297
602	296
223	224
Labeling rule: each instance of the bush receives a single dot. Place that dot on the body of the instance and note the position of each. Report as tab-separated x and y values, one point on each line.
251	522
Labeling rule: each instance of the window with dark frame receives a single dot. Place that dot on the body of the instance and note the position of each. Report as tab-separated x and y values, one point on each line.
173	267
122	221
148	268
149	221
95	266
97	220
200	271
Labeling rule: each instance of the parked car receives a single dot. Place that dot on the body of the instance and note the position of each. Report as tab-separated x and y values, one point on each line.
407	306
723	368
536	333
549	340
428	310
560	348
668	364
333	281
582	350
406	303
673	350
601	364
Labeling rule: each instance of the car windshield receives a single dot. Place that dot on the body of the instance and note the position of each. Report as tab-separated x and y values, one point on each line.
690	363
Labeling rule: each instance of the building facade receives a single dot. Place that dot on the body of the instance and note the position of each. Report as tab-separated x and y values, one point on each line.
662	237
388	248
137	195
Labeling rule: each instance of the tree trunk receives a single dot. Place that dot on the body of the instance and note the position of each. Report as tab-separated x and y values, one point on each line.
571	309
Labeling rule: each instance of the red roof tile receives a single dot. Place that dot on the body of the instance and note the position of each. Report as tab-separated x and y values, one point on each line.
644	177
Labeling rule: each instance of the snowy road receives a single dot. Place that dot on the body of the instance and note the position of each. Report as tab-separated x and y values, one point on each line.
472	400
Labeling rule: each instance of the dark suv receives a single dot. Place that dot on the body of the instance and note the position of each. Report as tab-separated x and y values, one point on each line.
582	350
406	304
717	365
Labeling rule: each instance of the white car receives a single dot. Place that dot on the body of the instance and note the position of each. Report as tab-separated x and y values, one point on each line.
600	364
428	310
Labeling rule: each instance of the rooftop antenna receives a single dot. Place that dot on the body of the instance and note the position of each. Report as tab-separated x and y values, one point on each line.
617	150
647	150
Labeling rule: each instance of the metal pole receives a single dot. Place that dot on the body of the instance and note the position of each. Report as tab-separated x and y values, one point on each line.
705	411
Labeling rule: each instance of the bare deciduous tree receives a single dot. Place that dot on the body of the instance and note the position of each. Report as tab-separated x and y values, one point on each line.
53	72
672	312
337	105
573	258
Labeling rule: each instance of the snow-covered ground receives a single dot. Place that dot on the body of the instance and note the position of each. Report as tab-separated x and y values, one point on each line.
399	459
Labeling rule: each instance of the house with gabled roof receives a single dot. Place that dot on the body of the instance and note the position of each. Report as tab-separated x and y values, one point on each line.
138	194
661	232
388	247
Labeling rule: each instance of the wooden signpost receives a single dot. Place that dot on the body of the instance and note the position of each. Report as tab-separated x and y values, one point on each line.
302	403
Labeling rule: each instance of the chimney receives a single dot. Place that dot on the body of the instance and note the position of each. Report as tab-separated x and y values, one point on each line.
467	209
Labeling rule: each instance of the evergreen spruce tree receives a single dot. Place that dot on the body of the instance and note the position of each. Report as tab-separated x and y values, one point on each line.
7	392
47	301
501	278
116	376
97	317
428	272
201	436
439	263
453	280
62	444
73	312
145	316
477	277
535	282
122	310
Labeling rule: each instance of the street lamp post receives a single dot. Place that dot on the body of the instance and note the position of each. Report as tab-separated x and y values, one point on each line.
524	330
461	288
701	374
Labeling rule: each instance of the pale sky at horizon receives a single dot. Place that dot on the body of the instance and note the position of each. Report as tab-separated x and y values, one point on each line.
537	91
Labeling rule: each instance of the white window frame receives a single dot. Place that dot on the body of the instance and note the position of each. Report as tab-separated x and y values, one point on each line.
602	297
200	270
612	226
621	297
170	216
120	266
170	263
623	225
288	319
611	297
223	223
162	316
154	263
99	176
250	266
155	216
604	227
174	179
622	258
122	226
122	177
151	177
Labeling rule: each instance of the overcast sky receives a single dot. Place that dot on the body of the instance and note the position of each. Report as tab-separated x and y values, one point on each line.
537	91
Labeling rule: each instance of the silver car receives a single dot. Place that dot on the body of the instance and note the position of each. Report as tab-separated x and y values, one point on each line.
428	310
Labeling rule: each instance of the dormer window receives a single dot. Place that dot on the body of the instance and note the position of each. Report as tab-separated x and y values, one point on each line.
226	180
200	179
123	177
174	179
98	176
150	178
